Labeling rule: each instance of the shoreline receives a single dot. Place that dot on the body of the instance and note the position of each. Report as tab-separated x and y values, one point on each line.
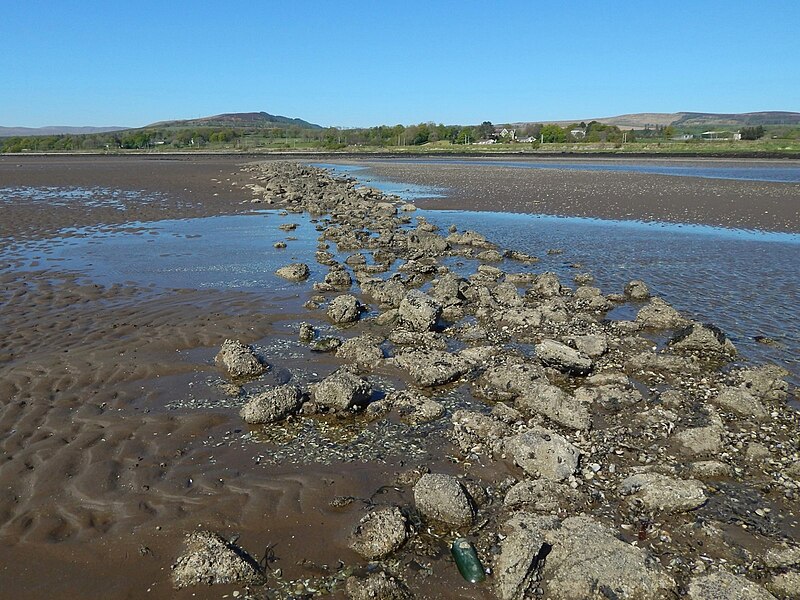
124	434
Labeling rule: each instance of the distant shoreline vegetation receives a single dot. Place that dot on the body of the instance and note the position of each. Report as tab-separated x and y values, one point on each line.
426	138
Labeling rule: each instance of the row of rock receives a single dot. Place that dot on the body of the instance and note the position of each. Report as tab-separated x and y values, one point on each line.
608	424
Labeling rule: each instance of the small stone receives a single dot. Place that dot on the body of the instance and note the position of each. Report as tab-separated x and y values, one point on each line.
294	272
443	499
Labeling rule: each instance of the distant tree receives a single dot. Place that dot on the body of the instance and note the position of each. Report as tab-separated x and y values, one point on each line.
485	130
553	133
752	133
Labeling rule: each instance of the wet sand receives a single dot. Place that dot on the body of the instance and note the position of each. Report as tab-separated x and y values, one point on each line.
767	206
101	474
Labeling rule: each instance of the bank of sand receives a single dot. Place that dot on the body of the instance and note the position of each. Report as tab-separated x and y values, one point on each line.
106	459
767	206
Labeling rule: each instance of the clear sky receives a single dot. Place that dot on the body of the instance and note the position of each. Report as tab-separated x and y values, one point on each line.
349	63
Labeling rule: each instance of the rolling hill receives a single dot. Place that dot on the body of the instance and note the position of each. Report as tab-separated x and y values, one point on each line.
692	119
247	119
54	130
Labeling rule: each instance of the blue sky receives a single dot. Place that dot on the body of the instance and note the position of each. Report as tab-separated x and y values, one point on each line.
382	62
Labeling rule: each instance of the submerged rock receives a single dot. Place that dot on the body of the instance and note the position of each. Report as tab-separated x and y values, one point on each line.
240	360
637	290
706	340
209	559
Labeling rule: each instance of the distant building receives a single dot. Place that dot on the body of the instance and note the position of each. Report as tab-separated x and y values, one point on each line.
682	137
509	134
528	140
578	133
484	142
716	135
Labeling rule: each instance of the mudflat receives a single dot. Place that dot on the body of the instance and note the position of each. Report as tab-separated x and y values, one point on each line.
762	205
120	433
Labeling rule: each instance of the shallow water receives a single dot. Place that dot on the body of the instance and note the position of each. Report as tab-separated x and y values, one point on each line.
777	172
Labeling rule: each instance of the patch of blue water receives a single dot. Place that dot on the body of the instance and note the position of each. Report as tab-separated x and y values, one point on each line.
406	191
746	171
745	282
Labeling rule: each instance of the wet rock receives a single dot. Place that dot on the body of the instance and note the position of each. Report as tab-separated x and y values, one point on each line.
362	350
592	346
376	586
414	408
469	238
558	406
272	405
240	360
725	586
344	309
432	367
342	390
429	244
637	290
379	533
662	493
543	495
474	431
706	340
588	561
521	319
418	311
562	357
489	256
546	285
651	363
325	344
782	555
506	294
208	559
707	469
765	382
387	293
294	272
338	278
543	453
507	381
441	498
521	551
306	333
785	585
660	315
700	440
741	402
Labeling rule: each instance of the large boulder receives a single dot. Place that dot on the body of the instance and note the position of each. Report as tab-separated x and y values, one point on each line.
520	552
543	453
342	390
272	405
209	559
562	357
239	360
442	498
418	311
588	561
362	350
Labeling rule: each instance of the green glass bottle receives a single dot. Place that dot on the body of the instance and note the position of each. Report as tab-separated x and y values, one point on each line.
467	561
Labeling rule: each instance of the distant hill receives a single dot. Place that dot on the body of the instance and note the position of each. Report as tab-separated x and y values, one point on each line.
249	119
694	119
54	130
